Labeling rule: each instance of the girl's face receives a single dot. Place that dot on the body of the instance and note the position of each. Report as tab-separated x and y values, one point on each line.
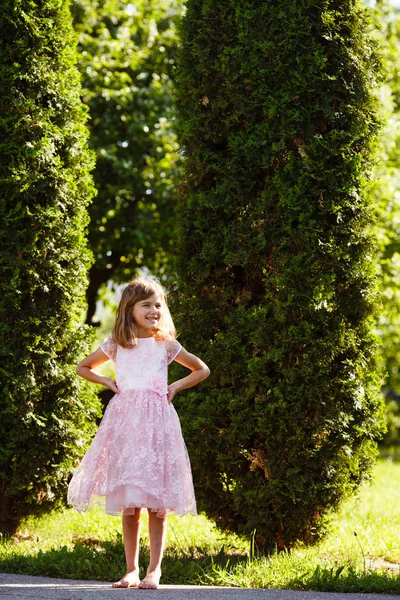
147	314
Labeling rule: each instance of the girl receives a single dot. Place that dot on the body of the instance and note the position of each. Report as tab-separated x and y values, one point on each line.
138	458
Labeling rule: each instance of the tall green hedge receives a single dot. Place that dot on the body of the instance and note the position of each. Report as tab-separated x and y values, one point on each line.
276	260
45	186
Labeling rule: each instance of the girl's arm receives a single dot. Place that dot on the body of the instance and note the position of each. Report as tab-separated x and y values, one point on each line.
86	366
199	369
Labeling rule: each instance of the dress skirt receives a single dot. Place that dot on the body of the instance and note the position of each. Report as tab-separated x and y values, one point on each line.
137	458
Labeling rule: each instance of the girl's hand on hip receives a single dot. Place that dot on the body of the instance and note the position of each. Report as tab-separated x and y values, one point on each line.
110	384
172	390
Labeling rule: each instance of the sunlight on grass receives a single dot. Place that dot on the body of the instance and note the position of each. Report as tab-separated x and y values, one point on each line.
374	515
89	545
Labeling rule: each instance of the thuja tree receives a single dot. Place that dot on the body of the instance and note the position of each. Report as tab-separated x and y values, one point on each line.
126	56
45	414
276	260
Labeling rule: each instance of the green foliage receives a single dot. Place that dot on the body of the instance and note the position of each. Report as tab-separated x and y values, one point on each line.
387	196
277	260
45	185
127	52
386	176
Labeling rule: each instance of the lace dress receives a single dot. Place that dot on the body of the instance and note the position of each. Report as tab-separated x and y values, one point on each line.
138	457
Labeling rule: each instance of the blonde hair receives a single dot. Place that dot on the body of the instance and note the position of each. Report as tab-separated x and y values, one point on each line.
125	331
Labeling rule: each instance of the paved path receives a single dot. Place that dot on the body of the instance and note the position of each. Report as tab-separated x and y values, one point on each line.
45	588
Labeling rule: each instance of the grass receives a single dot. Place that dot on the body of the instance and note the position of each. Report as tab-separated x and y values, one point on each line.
361	554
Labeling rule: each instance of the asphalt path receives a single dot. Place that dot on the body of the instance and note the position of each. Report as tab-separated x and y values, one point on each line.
46	588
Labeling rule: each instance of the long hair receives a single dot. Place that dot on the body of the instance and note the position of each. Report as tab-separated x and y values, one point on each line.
125	332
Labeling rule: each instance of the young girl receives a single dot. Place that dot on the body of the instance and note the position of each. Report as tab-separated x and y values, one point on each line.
138	458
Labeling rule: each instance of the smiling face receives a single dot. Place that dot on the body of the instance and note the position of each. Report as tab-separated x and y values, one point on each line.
147	314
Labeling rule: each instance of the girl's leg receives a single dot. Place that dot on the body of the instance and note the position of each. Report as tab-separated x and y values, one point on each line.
157	533
131	529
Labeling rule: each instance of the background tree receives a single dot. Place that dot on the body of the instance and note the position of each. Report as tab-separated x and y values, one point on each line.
277	260
387	197
127	52
46	415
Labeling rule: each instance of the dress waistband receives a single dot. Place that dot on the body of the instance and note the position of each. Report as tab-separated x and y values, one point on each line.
136	383
155	384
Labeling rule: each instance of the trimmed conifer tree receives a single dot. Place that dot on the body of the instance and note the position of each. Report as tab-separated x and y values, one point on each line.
46	415
276	260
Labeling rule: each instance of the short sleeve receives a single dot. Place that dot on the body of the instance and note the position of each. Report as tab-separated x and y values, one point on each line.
109	347
173	349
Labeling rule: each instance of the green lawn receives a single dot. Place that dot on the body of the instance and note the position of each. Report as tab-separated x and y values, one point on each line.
362	552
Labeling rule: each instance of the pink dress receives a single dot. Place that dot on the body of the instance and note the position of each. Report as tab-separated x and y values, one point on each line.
138	457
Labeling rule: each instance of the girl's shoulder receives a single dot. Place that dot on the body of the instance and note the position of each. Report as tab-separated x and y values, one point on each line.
173	348
109	347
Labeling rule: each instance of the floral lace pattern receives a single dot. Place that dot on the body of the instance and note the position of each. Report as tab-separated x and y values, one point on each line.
138	457
159	385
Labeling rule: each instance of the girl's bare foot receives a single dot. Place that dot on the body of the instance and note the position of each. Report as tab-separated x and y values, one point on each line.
151	581
129	580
